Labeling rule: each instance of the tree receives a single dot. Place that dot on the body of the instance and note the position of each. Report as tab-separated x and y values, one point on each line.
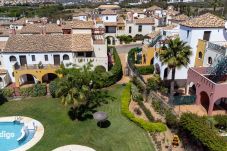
215	4
176	55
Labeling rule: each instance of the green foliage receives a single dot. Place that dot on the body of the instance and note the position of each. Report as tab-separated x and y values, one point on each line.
138	37
7	92
171	119
145	70
136	95
138	84
26	91
221	121
154	83
111	77
148	126
125	38
196	128
100	69
39	90
53	88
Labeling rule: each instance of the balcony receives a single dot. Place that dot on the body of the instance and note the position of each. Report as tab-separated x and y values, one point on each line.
217	46
80	61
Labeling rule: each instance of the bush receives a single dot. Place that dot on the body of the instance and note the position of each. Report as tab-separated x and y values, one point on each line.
145	70
28	91
221	121
7	92
53	88
137	111
39	90
136	95
138	37
154	82
146	111
194	126
138	84
100	69
171	119
148	126
125	38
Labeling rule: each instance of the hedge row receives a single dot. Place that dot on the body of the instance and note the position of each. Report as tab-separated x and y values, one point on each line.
145	70
148	126
34	91
7	92
194	126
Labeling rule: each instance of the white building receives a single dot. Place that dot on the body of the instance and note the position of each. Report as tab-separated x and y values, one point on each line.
206	27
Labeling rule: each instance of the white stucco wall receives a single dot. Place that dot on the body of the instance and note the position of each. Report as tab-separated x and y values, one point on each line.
81	31
111	18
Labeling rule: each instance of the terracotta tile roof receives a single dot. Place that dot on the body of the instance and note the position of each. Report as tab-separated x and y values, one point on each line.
109	7
154	7
80	14
110	23
4	32
153	34
23	20
82	42
144	21
169	27
39	29
38	43
172	12
78	24
207	20
181	17
49	43
108	12
99	20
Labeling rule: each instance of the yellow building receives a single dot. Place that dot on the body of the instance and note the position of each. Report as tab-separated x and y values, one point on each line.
200	52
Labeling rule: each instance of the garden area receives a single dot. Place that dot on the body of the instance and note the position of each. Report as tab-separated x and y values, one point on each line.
122	134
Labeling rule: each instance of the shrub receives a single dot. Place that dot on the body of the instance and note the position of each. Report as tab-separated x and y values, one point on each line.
125	38
100	69
221	121
138	37
28	91
137	111
39	90
136	95
144	70
171	119
53	88
196	129
154	82
138	84
148	126
7	92
146	111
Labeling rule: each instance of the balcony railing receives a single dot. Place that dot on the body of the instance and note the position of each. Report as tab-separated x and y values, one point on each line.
156	39
94	60
35	67
217	48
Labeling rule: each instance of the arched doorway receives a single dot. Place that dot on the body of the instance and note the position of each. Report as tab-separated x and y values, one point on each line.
157	69
49	77
27	79
205	100
220	104
152	61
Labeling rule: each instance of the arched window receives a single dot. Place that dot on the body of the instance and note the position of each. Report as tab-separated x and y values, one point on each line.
65	57
210	61
0	79
12	58
200	55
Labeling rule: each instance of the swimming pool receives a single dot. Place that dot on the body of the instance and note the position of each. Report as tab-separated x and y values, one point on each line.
10	133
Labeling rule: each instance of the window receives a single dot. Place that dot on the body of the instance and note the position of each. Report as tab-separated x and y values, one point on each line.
210	61
65	57
140	28
80	54
12	58
0	79
107	18
188	33
200	55
0	63
130	29
88	54
206	35
120	28
46	57
33	57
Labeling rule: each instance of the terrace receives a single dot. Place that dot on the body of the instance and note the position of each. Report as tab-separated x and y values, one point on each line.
209	93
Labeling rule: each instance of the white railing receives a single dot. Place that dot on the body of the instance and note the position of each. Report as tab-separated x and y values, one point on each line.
216	47
94	60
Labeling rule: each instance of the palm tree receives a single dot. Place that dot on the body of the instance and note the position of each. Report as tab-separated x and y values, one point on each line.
176	55
215	4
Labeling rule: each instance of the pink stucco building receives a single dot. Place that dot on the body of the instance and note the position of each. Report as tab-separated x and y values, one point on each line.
211	95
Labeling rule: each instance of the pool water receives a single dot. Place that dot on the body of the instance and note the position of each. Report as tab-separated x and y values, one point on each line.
9	133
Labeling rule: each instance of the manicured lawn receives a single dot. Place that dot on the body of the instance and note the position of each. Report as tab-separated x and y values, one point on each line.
121	135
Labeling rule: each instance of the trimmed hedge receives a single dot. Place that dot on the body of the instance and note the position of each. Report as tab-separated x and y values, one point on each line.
148	126
53	88
195	127
145	70
136	95
146	111
33	91
7	92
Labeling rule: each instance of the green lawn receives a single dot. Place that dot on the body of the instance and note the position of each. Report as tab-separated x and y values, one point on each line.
121	135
